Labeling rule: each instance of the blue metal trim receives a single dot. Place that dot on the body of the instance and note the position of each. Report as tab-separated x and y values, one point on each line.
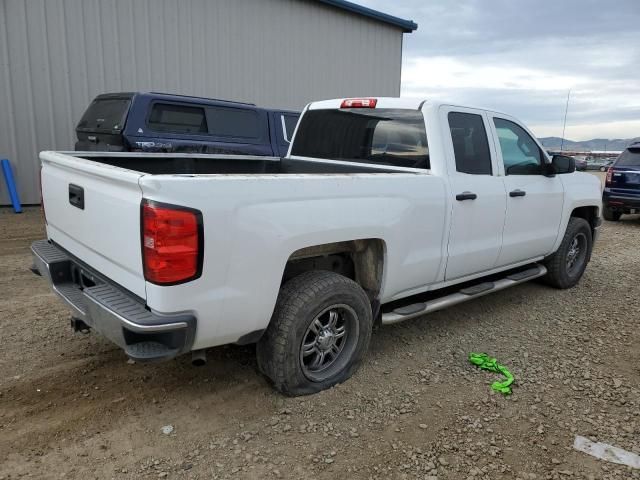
11	185
407	26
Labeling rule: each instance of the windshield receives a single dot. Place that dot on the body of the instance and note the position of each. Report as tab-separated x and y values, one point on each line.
105	114
383	136
629	158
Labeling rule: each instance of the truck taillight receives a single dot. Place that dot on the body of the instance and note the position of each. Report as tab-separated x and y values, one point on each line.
609	176
359	103
172	243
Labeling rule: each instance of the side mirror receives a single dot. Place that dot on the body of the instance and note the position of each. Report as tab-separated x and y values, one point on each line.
563	164
549	170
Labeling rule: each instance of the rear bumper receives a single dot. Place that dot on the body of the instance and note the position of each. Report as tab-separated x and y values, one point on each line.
620	202
117	314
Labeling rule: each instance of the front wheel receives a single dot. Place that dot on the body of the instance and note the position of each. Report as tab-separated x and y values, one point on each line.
319	333
567	264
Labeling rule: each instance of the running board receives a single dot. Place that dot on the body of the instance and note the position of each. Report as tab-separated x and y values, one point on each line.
418	309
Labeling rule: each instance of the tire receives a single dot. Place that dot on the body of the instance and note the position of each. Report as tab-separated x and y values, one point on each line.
289	351
567	264
603	169
611	215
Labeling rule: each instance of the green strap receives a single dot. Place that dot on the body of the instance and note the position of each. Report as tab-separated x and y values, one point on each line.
485	362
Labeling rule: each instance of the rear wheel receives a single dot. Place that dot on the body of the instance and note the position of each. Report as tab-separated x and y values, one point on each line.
610	214
319	333
567	264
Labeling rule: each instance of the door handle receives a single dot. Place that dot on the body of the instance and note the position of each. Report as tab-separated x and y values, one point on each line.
517	193
466	196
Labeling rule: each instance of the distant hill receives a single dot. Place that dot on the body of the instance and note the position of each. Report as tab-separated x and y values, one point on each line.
553	143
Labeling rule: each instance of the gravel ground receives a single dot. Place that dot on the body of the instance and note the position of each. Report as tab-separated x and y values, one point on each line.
72	407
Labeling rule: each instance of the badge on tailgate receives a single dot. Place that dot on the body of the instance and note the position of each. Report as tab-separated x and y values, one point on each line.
76	196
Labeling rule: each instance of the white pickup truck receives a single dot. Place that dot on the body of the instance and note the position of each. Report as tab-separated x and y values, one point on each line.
383	210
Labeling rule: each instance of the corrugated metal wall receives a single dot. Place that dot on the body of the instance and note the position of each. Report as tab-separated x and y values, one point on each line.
56	55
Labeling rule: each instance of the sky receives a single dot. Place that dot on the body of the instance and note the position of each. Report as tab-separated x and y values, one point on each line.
522	56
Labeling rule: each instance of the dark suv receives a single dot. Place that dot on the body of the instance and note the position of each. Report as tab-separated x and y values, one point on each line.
622	188
160	122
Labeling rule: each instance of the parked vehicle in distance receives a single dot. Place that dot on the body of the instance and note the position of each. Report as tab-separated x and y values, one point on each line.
581	164
160	122
608	162
621	193
600	164
385	209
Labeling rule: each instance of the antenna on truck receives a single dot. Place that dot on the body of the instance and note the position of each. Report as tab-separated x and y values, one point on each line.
564	125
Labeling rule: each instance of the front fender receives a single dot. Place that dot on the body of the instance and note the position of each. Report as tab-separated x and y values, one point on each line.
580	190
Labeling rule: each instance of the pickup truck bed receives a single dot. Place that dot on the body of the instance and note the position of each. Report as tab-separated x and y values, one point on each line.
202	164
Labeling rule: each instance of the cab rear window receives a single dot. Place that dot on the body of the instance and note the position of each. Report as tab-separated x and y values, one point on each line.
105	114
393	137
629	158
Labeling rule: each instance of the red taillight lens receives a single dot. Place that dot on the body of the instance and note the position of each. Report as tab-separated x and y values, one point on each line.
609	175
359	103
172	243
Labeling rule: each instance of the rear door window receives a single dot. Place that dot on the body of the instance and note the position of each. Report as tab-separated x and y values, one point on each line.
470	144
169	117
629	158
105	114
394	137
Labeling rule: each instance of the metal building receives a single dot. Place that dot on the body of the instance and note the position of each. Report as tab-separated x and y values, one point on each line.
56	55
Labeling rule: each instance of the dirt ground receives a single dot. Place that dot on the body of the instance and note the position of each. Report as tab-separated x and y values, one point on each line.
71	406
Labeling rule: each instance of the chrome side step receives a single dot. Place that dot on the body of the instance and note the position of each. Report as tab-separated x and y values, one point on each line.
418	309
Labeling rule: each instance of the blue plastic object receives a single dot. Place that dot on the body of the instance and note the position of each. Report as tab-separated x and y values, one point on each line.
11	185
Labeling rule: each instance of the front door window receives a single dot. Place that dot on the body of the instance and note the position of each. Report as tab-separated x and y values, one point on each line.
520	153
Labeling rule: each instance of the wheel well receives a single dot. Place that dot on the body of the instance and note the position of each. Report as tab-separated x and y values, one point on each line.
359	260
590	214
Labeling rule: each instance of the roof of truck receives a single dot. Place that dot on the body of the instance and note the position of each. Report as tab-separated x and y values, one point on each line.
187	98
382	102
396	102
407	26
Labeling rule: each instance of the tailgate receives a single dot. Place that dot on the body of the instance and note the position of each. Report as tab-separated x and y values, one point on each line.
625	173
99	142
93	212
625	181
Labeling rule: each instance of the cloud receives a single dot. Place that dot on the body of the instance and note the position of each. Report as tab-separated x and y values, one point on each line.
522	57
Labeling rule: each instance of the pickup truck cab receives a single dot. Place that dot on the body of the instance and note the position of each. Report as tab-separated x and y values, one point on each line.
160	122
384	209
